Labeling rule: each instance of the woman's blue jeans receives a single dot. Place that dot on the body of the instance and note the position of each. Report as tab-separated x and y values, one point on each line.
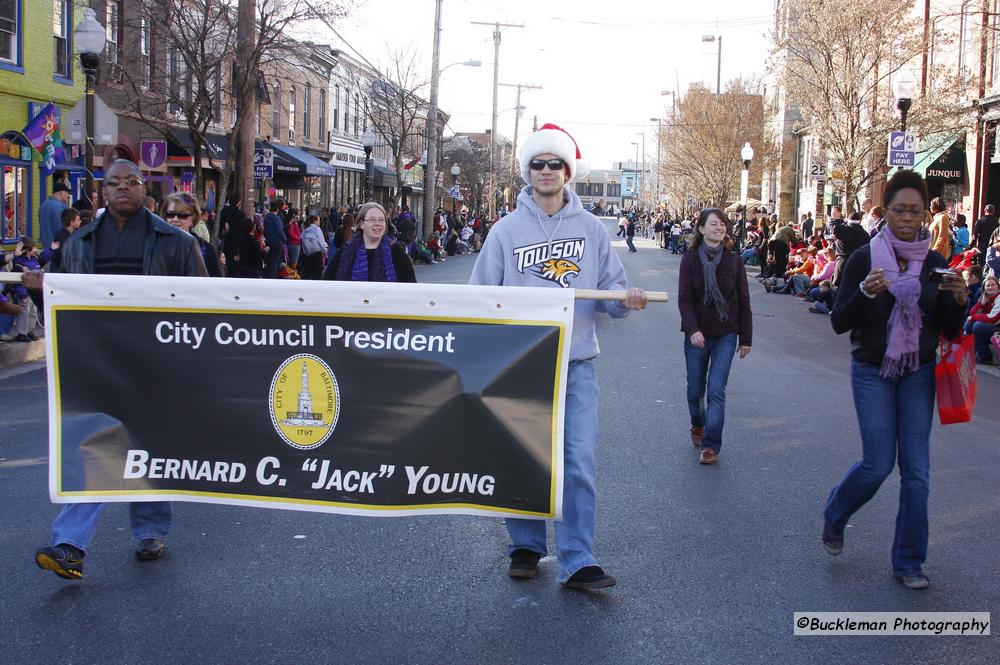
895	416
983	332
708	371
575	532
76	522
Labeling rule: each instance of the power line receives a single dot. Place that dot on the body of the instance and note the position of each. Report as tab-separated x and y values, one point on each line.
453	112
739	22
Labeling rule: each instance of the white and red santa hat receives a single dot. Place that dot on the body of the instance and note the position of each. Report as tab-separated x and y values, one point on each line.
553	139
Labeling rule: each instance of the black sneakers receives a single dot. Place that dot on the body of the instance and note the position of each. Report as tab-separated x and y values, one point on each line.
523	564
833	542
64	560
149	549
589	578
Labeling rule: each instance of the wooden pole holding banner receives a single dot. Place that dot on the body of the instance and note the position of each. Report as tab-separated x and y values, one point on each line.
594	294
581	294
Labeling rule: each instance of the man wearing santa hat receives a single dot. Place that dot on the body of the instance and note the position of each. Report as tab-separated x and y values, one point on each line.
550	241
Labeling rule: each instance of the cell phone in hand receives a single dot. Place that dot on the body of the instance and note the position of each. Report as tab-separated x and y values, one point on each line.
937	274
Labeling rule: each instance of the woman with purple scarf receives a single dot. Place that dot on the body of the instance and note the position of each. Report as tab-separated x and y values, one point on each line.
369	257
896	306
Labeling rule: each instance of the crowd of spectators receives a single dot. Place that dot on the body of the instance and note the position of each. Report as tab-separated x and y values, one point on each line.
798	262
278	242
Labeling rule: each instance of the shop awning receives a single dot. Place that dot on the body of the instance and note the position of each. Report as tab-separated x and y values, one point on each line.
941	156
384	176
310	164
283	163
213	146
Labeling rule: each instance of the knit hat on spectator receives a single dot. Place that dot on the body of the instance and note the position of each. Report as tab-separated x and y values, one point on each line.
554	140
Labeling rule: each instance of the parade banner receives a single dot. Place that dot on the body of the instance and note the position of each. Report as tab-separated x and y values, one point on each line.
345	397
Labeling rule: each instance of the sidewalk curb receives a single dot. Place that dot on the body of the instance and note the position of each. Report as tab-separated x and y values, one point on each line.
13	354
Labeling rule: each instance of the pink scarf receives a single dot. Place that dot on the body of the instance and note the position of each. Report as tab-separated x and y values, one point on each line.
902	354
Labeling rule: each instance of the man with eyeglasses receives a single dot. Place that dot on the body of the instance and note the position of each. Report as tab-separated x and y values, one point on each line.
127	239
550	241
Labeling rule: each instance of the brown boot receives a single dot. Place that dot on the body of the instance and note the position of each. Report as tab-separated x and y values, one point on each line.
697	435
708	456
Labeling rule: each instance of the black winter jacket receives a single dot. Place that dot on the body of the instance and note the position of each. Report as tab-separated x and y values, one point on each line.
868	318
167	250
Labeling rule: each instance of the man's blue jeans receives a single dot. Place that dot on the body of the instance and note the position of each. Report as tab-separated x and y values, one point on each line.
708	369
982	332
275	255
895	416
575	532
76	522
797	284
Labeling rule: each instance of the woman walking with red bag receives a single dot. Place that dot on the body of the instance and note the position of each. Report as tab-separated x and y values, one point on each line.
896	298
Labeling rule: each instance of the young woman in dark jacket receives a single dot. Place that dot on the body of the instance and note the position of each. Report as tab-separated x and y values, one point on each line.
896	307
714	301
369	257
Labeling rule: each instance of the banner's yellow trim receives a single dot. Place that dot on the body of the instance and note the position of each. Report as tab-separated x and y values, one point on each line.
555	412
405	317
307	502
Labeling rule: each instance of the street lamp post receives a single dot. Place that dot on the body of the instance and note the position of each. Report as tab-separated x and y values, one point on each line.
642	176
455	170
90	39
368	142
659	154
904	88
718	67
635	170
747	155
479	199
430	181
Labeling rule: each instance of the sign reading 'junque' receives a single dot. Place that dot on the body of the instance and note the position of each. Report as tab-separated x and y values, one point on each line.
380	399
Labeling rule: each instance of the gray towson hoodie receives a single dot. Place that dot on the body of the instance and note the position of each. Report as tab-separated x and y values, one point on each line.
570	249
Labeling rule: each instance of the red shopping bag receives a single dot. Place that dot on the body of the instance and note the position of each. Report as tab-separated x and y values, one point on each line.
956	380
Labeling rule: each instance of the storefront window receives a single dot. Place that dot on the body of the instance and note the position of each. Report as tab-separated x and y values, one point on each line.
15	203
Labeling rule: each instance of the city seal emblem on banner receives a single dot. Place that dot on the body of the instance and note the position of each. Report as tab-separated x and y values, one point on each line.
304	401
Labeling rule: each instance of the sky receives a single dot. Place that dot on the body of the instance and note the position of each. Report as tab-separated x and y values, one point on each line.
602	65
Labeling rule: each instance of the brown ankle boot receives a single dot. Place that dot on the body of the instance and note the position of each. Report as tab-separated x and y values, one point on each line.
697	435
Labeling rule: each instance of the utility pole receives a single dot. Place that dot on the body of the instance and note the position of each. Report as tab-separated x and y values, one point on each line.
246	36
496	83
534	125
430	173
517	121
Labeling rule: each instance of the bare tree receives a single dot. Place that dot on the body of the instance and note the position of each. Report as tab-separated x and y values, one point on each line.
183	87
200	78
838	61
702	140
395	109
472	159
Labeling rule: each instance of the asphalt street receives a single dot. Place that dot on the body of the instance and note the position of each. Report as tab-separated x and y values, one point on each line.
711	562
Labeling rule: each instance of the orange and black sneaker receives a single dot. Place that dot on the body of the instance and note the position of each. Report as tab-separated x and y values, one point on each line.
64	560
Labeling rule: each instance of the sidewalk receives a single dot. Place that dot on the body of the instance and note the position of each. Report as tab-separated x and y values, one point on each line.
13	354
989	370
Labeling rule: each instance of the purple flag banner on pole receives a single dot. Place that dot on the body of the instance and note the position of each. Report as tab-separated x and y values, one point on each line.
44	135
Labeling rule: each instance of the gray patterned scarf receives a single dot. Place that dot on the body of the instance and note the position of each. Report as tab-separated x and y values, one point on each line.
710	259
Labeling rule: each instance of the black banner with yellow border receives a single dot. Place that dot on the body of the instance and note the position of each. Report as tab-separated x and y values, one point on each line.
352	410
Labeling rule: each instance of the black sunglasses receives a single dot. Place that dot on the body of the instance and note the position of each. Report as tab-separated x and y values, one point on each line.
179	215
553	164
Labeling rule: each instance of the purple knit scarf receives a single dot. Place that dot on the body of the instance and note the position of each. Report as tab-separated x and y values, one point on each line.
385	272
902	354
